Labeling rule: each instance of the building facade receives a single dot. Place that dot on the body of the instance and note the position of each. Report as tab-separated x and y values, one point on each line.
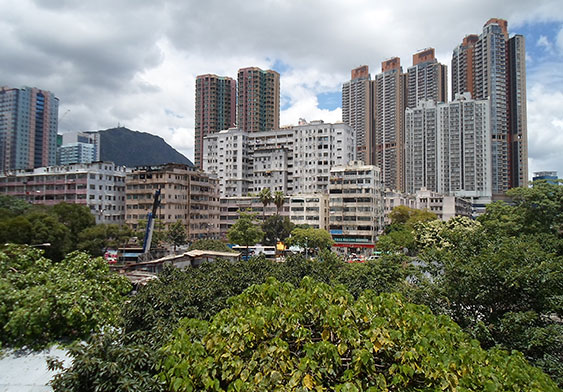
358	111
98	185
215	109
492	66
390	104
187	195
318	147
427	79
258	102
311	209
447	148
28	128
292	160
356	206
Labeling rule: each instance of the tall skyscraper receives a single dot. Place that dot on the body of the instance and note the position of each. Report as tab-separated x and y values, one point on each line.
448	147
28	128
427	79
390	102
258	99
215	109
492	66
358	111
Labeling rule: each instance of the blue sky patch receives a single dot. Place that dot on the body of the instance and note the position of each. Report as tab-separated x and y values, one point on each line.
330	100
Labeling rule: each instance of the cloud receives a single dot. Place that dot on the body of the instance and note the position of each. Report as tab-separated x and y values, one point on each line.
134	62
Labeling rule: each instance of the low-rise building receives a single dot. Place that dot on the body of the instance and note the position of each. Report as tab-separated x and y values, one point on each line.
445	207
98	185
187	195
356	206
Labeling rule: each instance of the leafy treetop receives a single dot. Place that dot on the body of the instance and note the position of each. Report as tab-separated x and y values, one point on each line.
316	337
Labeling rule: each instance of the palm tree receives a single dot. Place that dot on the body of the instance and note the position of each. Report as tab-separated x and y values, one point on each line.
279	200
265	197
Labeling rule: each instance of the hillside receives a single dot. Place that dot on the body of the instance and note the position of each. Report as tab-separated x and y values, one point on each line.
132	148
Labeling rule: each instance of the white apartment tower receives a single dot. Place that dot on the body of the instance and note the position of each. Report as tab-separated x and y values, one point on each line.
292	160
421	147
448	148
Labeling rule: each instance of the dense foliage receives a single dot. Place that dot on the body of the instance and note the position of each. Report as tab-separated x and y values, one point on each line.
176	234
201	293
400	234
205	244
501	278
245	232
276	228
42	301
277	337
97	239
310	239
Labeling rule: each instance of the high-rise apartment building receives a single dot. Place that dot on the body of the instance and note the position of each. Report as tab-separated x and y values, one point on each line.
448	148
28	128
390	102
421	147
258	99
492	66
215	109
357	111
427	79
292	160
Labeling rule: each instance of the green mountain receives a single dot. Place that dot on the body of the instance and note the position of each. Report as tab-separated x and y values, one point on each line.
132	148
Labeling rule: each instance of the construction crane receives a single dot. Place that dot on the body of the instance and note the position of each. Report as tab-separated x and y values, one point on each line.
150	223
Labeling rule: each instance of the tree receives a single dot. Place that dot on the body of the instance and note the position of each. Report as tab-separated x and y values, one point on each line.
311	239
74	216
503	289
317	337
276	228
403	215
245	232
279	200
536	210
200	293
265	197
207	244
44	301
176	234
97	239
11	206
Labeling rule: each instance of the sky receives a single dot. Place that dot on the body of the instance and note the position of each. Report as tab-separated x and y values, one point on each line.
134	62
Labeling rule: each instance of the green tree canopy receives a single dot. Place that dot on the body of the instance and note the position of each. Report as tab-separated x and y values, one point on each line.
279	200
207	244
44	301
310	239
12	206
74	216
97	239
176	234
245	232
316	337
276	228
